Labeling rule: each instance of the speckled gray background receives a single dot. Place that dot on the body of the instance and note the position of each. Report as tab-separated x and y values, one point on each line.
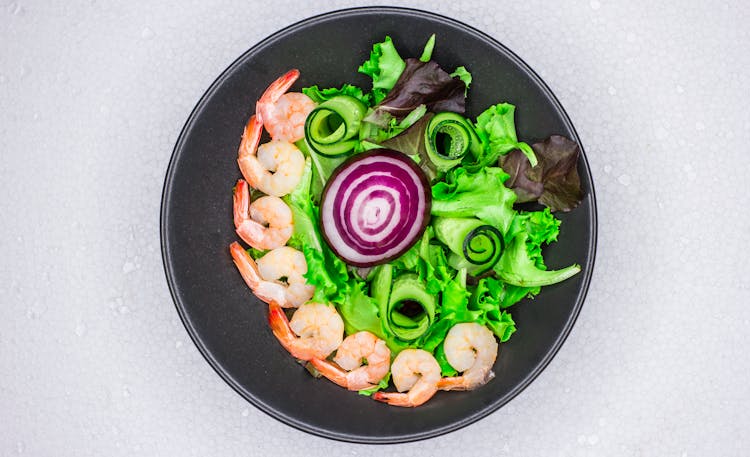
93	356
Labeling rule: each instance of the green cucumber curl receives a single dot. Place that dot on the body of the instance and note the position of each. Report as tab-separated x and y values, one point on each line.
332	127
474	245
410	309
448	138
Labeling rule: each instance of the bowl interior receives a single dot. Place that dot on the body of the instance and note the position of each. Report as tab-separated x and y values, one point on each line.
228	324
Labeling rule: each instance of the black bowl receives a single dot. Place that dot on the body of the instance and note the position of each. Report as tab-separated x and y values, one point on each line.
228	324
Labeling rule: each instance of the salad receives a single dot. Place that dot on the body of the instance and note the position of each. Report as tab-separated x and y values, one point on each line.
383	226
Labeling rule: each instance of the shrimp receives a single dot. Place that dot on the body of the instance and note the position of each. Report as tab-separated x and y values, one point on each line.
363	360
471	349
415	370
289	263
284	113
262	277
265	290
275	168
266	223
316	330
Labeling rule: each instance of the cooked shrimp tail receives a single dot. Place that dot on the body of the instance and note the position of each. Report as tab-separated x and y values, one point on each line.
280	327
241	199
338	375
274	91
417	396
283	113
250	139
464	383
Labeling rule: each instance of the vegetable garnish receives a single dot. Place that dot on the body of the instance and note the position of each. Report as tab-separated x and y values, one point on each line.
406	242
448	137
554	181
474	245
374	207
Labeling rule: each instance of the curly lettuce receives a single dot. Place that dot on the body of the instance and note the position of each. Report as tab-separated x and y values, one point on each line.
522	263
384	67
496	129
321	95
480	195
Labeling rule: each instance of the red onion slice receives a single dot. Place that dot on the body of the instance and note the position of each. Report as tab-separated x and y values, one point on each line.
375	207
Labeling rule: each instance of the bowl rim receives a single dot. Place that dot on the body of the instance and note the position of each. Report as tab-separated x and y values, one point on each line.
257	402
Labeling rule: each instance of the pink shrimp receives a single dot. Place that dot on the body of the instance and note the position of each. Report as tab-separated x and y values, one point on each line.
284	113
362	360
263	277
471	349
275	168
266	223
316	330
415	371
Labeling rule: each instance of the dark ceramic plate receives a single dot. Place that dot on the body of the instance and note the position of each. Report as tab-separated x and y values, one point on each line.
228	324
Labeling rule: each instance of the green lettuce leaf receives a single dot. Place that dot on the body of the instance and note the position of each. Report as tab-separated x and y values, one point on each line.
453	310
304	213
328	274
359	311
480	195
522	263
407	262
325	271
445	368
256	253
322	168
321	95
513	294
542	228
488	297
383	384
432	265
518	268
464	75
497	130
501	324
428	48
384	67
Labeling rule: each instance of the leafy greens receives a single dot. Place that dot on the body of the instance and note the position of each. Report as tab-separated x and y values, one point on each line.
405	94
497	130
480	195
384	67
554	181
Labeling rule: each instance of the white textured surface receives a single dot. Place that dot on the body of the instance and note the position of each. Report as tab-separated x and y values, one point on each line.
95	361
